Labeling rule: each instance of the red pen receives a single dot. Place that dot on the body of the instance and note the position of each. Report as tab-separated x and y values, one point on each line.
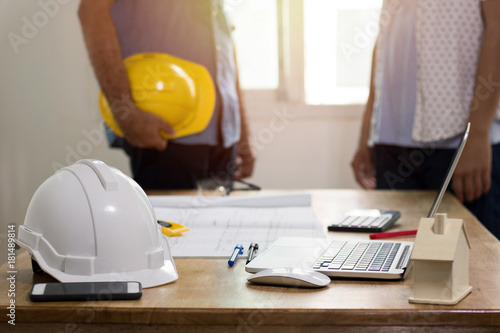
392	234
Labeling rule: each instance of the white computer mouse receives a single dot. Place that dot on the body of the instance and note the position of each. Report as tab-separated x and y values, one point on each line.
290	277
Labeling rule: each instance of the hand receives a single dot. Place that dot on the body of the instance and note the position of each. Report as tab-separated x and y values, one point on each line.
245	159
362	165
472	177
143	129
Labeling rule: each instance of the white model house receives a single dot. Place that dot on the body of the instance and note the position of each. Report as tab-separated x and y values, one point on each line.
441	261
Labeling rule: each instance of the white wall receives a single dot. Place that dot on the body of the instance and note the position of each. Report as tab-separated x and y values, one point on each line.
47	101
304	147
49	116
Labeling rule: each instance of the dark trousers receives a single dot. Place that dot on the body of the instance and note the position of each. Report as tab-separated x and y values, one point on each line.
412	168
182	166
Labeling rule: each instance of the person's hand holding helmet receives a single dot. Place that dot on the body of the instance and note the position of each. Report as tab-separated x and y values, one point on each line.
166	97
143	129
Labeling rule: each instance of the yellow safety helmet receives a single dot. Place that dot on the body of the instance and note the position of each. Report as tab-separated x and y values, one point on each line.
179	91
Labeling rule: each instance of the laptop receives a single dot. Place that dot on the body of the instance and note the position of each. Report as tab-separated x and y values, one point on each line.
365	259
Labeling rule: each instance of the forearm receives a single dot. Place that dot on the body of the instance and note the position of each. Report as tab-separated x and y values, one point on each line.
367	116
362	162
105	54
245	131
472	177
246	154
487	85
366	122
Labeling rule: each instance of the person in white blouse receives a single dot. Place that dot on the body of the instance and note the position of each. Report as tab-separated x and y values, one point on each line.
435	67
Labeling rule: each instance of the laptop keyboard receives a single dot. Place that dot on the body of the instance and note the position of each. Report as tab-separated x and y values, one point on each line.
360	256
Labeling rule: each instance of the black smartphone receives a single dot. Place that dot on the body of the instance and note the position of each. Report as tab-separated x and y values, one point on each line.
86	291
365	220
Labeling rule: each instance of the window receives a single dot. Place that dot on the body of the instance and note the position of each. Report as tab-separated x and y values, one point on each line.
339	40
309	51
256	39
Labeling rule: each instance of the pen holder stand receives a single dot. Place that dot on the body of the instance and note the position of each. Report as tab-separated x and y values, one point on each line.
440	261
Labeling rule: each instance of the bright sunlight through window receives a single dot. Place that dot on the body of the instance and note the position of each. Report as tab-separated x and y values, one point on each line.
338	43
339	40
256	39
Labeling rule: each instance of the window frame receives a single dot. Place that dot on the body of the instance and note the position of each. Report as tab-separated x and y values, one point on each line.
291	75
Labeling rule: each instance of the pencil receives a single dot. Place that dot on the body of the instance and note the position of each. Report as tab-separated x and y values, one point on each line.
392	234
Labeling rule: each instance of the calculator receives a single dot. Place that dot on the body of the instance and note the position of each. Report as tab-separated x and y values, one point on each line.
365	220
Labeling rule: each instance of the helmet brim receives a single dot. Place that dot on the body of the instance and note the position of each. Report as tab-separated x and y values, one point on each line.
147	277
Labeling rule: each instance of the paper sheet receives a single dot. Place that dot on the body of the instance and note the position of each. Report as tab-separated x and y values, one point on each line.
218	224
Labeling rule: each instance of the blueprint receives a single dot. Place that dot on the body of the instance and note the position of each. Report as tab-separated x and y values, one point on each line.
218	224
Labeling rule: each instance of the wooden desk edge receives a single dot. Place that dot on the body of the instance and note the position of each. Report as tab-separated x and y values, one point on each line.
267	317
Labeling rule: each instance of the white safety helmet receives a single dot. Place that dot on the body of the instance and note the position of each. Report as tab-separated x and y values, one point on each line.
90	222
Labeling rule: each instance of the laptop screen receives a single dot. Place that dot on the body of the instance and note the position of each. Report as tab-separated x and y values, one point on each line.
449	173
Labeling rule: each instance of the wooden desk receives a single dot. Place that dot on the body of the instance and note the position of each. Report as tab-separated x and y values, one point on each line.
209	296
